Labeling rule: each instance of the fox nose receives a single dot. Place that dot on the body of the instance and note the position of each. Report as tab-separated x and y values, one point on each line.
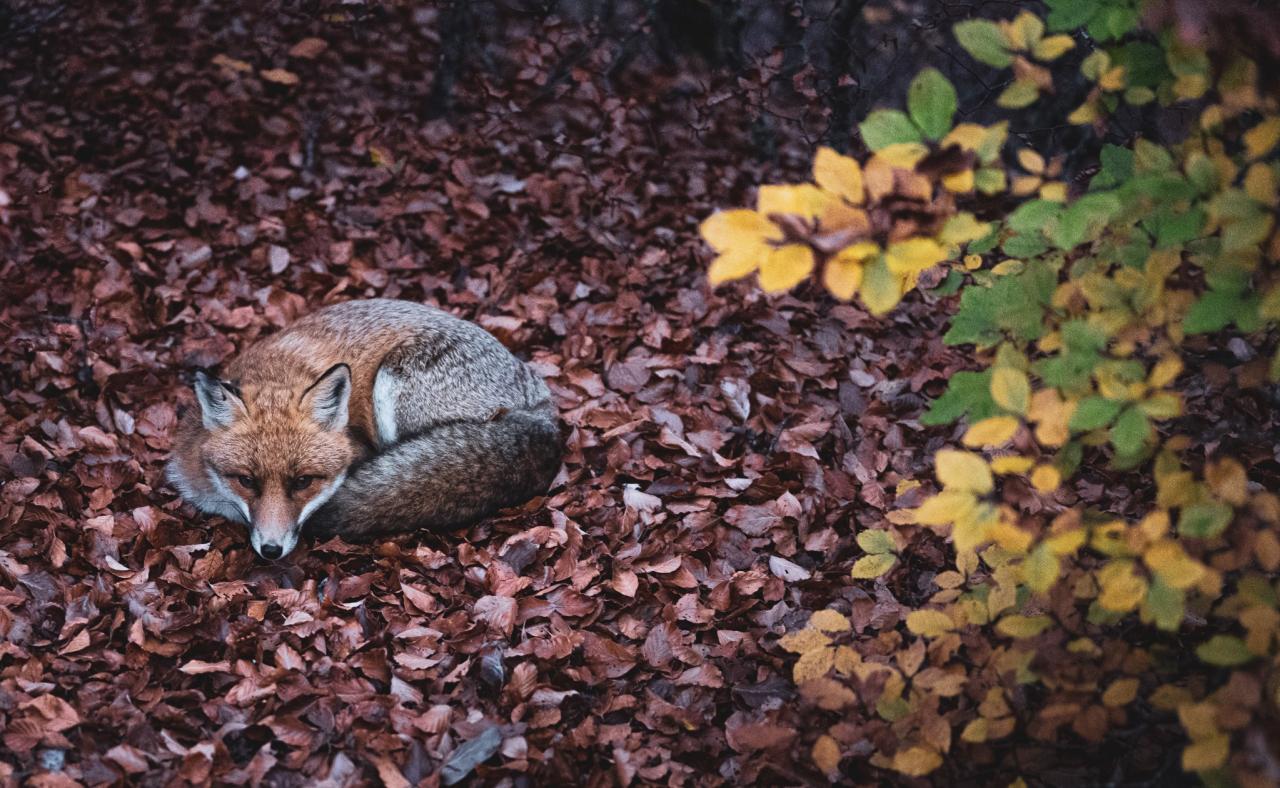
272	551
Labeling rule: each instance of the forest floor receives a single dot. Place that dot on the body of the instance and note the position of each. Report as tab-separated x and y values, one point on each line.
175	184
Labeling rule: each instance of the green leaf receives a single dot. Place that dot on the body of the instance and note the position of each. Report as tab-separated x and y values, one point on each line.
886	127
931	100
1113	22
1144	64
1117	167
1224	651
1175	229
877	541
1214	311
967	392
1150	157
1131	432
1033	216
1015	304
983	40
1071	369
1204	520
1165	605
1070	14
1085	219
1094	412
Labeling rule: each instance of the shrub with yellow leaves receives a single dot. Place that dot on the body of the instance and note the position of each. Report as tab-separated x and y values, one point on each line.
1079	308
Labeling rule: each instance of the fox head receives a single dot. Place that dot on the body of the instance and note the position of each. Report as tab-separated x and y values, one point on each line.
274	454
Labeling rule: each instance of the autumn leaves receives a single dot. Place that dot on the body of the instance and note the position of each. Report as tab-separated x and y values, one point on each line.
873	227
1080	307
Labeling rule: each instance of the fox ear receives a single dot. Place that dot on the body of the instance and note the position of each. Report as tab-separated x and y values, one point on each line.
327	398
220	404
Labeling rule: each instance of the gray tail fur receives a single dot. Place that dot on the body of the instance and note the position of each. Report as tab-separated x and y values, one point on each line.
446	477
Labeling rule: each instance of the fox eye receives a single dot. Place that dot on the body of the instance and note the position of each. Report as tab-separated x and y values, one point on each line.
301	483
247	482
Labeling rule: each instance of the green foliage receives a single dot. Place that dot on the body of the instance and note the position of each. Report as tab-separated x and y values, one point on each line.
1077	336
984	41
931	101
1013	305
886	127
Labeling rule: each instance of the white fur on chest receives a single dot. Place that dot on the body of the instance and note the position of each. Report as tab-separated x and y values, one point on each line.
386	392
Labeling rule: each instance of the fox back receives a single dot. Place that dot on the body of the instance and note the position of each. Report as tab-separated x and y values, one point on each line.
279	438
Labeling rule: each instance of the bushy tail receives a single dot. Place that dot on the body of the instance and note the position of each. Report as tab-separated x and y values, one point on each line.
447	477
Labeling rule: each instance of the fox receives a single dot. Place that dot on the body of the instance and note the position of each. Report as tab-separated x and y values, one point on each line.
366	418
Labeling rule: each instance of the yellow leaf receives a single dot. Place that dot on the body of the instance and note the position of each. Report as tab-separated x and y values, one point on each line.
881	289
1053	47
963	228
916	761
1011	389
1206	754
280	76
1260	183
1259	140
1198	719
972	262
804	641
958	182
1031	161
826	754
1017	626
1122	588
1227	480
803	199
1010	537
877	178
736	263
1054	192
946	507
813	664
1024	31
929	623
1164	372
976	731
1011	463
1046	478
1040	569
785	267
1022	185
829	621
1120	693
1067	542
914	255
1112	79
1084	114
869	567
991	431
843	273
902	155
1155	525
725	230
838	174
1176	569
963	470
1190	86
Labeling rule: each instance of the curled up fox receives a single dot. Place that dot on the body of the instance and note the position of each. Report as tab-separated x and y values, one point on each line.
366	418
